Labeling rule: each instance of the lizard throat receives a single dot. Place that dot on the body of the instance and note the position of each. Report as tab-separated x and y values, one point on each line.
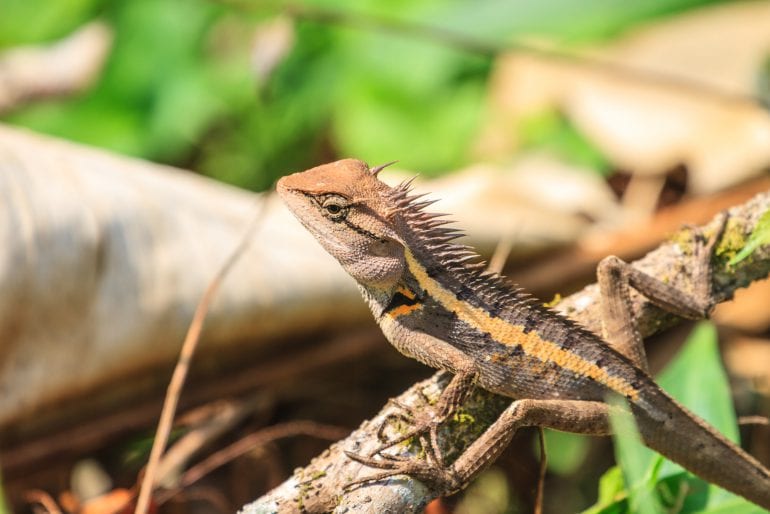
510	334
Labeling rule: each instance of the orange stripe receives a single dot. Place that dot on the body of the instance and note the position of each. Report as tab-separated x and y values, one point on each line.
511	335
406	292
403	310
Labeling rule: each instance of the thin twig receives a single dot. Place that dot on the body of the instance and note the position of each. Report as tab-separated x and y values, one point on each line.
501	254
183	365
753	420
220	420
254	440
44	499
541	475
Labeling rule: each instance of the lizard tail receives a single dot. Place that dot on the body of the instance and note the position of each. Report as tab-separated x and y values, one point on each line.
695	445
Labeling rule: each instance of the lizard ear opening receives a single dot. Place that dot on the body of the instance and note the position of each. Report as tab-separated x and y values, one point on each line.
377	169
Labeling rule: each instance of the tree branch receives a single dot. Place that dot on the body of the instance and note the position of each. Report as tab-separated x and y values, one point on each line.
319	486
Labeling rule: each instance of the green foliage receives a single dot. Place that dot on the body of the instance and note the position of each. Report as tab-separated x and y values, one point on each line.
488	494
3	505
566	20
645	481
566	452
180	87
552	131
612	493
639	464
763	83
759	237
52	19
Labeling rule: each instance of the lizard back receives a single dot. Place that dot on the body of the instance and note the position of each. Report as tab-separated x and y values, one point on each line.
523	348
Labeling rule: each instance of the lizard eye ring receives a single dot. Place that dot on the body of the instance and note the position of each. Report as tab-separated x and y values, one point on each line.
335	207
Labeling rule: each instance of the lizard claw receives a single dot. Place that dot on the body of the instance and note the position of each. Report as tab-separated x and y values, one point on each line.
386	461
425	424
703	252
407	417
441	480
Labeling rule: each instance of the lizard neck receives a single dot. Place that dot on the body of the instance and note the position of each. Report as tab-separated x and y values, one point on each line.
402	296
377	298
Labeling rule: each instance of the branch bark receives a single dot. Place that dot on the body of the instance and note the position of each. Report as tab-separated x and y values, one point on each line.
318	487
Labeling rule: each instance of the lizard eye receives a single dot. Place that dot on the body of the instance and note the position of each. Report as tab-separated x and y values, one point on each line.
335	207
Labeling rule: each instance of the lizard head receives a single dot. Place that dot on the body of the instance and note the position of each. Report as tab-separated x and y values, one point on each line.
345	207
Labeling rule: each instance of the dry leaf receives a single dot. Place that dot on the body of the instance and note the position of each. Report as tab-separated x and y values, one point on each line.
644	124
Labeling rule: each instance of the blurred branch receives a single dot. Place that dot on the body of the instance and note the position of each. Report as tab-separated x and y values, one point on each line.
319	487
577	262
60	69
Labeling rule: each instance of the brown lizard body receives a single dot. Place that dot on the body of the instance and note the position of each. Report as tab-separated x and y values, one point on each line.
434	303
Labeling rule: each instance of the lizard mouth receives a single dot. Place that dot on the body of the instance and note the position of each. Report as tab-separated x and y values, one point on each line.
282	188
332	244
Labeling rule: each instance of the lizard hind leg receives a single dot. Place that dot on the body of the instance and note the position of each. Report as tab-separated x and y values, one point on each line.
615	277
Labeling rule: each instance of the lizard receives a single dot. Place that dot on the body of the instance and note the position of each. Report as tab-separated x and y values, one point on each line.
434	302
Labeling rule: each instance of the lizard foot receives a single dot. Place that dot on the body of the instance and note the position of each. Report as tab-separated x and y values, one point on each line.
442	480
703	252
405	414
423	422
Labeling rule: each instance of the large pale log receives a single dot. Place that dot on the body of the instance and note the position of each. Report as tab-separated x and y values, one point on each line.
104	258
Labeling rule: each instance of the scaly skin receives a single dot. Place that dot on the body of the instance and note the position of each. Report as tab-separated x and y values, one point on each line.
435	305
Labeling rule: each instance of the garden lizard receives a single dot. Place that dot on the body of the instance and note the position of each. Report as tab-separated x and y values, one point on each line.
435	303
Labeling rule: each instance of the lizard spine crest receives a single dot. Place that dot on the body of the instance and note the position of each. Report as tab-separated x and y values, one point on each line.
454	276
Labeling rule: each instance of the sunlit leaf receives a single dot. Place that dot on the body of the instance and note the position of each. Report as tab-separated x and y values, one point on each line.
638	463
613	498
566	452
696	378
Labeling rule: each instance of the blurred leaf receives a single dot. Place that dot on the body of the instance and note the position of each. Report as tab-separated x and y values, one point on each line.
91	120
3	505
735	506
566	452
157	43
763	83
488	494
553	132
638	463
32	21
759	237
186	107
573	20
611	485
696	378
612	495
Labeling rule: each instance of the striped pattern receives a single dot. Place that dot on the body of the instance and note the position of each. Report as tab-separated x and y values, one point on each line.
514	335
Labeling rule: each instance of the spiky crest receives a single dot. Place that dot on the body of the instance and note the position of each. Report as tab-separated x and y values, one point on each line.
461	261
377	169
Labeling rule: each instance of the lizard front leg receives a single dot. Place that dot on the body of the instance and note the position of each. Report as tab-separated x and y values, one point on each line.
584	417
430	419
437	353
